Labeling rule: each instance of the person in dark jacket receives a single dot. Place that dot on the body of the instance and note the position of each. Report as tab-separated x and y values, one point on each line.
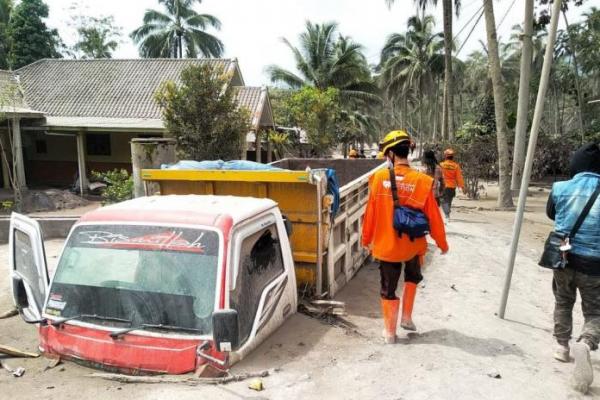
582	273
433	169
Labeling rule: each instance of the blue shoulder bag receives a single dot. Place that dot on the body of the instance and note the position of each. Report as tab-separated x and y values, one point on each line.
409	221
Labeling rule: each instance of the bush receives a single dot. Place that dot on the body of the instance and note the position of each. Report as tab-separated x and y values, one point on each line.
202	116
120	185
477	153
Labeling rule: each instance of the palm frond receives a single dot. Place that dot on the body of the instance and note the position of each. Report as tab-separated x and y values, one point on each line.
278	74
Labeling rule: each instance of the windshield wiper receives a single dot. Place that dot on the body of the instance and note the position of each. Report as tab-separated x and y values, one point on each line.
59	322
117	334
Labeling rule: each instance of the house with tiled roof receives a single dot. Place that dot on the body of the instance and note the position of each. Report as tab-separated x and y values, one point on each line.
80	115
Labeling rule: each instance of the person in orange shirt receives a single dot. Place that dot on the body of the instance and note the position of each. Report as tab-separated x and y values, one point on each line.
453	178
386	245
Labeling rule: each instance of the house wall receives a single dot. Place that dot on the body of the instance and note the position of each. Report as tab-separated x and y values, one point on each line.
55	163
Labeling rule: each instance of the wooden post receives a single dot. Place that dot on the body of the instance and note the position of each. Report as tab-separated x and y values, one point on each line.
83	181
258	147
148	154
523	106
269	149
18	153
535	128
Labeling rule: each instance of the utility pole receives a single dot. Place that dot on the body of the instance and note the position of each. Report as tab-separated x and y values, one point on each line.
523	106
535	127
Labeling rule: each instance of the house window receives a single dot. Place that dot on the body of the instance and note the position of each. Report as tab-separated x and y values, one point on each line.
261	262
41	147
98	144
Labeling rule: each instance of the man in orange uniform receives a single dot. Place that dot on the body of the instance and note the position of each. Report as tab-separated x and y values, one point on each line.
452	178
391	249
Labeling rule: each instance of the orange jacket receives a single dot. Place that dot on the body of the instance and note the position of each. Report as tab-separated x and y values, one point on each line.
452	174
414	190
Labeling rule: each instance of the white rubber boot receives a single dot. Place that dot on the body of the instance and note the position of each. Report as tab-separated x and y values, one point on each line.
583	374
561	353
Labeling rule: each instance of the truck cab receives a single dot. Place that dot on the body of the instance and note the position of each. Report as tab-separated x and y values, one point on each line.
162	284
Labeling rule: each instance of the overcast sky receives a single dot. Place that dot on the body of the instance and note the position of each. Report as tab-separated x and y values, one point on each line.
252	30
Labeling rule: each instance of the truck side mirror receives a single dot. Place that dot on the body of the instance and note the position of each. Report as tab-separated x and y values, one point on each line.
225	330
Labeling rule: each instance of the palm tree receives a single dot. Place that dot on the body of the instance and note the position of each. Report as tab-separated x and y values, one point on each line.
166	34
410	63
448	102
98	37
505	195
326	59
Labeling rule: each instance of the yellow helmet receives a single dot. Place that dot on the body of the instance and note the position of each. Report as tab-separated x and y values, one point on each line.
353	154
392	139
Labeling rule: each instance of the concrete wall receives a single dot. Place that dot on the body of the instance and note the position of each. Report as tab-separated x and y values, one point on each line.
52	228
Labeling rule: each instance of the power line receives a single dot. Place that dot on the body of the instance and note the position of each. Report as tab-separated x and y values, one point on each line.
468	22
470	33
505	15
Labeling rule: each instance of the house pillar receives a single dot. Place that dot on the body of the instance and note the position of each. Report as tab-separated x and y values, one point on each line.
5	162
257	145
269	149
18	153
83	181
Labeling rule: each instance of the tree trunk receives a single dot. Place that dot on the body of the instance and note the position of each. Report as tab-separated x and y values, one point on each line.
523	106
436	110
448	84
505	195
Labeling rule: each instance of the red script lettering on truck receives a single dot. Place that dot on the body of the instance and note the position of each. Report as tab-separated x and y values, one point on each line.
169	240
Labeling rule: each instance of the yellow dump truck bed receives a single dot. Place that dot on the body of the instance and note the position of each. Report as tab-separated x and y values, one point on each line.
326	248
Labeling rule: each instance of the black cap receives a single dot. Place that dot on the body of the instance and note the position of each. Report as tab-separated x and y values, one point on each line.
586	159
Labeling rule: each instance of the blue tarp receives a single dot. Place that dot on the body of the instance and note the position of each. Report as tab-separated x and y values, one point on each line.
234	165
333	187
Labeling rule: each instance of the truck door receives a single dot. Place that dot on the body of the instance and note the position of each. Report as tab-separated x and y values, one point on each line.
28	271
259	263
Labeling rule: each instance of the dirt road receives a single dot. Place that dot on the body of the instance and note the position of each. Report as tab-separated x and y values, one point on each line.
462	350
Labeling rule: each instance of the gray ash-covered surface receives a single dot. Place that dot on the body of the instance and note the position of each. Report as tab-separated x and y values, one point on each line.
346	170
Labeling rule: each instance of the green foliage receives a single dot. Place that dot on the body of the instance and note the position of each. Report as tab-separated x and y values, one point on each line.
30	38
317	112
177	28
282	143
478	156
281	113
327	59
7	205
5	10
98	37
203	118
120	185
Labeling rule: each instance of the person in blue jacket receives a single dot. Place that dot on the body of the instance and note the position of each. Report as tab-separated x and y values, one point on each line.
582	273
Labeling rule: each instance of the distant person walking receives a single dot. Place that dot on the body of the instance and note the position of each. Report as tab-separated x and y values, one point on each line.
433	169
453	178
414	190
565	205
